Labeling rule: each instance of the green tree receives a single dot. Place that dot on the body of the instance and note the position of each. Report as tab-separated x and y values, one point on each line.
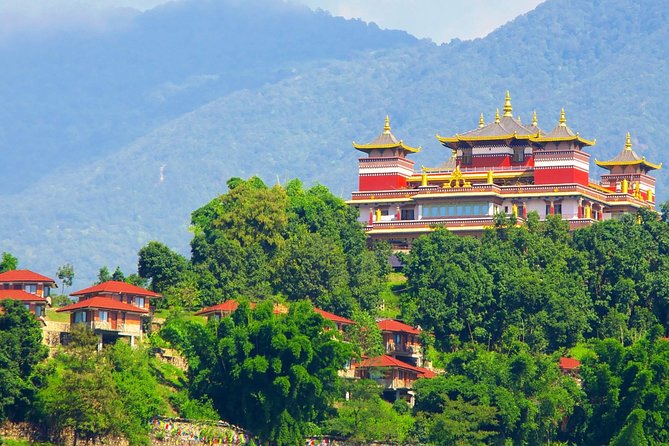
278	372
66	275
161	265
21	350
104	275
8	263
118	275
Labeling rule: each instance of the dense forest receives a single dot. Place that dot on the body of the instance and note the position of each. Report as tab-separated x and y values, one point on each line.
145	132
498	312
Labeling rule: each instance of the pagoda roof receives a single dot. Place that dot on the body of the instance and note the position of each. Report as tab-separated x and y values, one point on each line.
103	303
563	133
390	362
502	128
21	295
627	157
396	326
116	287
24	275
386	140
333	317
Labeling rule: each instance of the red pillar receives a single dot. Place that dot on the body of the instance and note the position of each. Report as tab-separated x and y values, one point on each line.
525	210
371	215
398	214
552	209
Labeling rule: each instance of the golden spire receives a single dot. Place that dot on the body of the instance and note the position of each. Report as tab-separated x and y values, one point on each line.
497	116
507	105
563	120
535	122
386	127
628	142
481	121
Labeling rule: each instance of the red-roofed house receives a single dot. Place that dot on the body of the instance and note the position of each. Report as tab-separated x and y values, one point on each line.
33	303
395	376
228	307
339	321
402	341
112	309
28	281
570	366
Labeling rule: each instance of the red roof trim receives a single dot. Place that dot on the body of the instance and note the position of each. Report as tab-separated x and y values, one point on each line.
104	303
113	286
333	317
389	361
397	326
21	295
226	307
24	275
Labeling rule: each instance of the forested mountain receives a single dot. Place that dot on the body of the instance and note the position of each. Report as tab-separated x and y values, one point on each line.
601	60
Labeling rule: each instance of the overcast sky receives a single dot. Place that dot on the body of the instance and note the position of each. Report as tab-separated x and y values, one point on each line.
439	20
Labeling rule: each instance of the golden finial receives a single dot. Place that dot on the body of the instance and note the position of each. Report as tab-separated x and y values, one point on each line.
481	121
563	120
535	122
386	127
497	116
507	105
628	142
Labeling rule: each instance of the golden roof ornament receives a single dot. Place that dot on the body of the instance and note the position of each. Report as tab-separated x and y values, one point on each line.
481	121
563	119
507	105
535	122
497	116
386	126
628	142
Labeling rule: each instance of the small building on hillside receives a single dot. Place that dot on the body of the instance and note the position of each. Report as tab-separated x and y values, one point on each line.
395	376
33	290
402	341
112	309
339	321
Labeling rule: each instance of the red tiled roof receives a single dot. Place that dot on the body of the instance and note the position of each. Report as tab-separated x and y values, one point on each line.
24	275
20	295
389	361
569	363
333	317
104	303
226	307
393	325
113	286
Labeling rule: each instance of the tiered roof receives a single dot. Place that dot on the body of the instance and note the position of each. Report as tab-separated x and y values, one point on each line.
385	140
628	157
563	133
21	295
103	303
113	286
24	275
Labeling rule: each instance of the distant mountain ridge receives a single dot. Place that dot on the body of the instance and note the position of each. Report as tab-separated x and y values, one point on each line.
601	60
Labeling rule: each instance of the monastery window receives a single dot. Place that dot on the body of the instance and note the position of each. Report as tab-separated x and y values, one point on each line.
467	156
31	288
518	154
5	286
455	210
407	214
557	209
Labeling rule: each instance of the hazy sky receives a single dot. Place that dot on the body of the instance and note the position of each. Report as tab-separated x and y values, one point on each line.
440	20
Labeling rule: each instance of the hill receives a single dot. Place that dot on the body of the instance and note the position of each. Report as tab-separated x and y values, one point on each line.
601	60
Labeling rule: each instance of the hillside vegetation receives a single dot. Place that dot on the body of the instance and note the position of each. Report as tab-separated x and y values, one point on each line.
601	60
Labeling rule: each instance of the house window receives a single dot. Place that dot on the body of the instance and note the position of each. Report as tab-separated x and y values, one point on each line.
46	292
103	315
79	316
26	306
467	156
139	302
518	154
39	311
30	288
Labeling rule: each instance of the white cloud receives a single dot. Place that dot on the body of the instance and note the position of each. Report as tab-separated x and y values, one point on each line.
439	20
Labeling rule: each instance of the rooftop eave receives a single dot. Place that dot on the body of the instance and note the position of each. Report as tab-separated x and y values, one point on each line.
401	145
607	164
459	138
583	141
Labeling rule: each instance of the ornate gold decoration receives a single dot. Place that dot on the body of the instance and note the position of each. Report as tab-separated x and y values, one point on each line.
507	105
563	119
457	179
